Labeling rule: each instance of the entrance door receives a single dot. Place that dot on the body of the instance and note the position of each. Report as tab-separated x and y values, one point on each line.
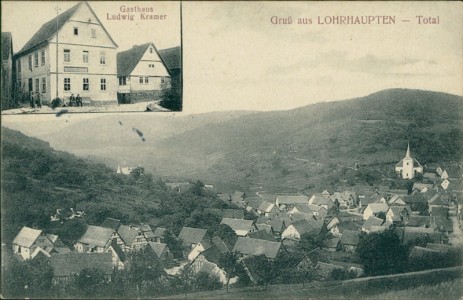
30	85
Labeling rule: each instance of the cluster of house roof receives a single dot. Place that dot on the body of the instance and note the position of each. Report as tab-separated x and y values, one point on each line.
279	223
105	247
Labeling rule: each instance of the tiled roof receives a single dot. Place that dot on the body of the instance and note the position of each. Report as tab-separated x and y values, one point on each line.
190	235
65	265
237	224
172	57
48	30
378	207
26	237
255	247
128	233
372	221
308	226
158	248
111	223
6	45
262	234
96	236
128	60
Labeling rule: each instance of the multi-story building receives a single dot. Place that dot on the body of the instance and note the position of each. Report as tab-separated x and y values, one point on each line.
71	54
142	74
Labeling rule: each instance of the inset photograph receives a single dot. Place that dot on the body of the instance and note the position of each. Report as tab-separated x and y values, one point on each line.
91	56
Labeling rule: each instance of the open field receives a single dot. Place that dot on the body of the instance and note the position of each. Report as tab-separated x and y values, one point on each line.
430	284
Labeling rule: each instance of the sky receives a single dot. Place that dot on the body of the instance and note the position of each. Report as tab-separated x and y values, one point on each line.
234	58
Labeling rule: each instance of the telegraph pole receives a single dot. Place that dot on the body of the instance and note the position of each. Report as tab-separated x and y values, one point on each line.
57	41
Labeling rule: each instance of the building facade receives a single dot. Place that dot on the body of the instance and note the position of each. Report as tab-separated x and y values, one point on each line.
81	59
7	69
141	74
408	167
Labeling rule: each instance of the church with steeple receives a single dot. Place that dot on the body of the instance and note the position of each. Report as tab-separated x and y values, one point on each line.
408	167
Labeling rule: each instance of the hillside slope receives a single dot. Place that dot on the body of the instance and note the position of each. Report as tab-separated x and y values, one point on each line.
286	150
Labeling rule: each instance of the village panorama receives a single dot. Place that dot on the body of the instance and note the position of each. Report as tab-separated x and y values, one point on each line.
362	238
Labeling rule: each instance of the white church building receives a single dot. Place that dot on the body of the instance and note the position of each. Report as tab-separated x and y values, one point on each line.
408	167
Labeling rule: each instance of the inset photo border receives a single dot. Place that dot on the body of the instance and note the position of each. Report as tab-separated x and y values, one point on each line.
92	56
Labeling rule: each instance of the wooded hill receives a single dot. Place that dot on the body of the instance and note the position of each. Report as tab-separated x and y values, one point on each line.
285	151
36	180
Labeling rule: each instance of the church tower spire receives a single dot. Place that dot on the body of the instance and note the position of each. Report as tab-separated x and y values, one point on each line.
408	151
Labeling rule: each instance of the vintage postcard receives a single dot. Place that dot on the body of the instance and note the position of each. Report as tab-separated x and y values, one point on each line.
306	150
92	56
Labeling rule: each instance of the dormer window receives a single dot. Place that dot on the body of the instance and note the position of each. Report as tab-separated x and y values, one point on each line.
76	31
151	50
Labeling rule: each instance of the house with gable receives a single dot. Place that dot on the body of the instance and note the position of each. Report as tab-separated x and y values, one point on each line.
240	227
86	62
375	209
95	239
131	238
398	214
161	251
255	247
66	266
141	73
190	236
301	227
371	222
29	242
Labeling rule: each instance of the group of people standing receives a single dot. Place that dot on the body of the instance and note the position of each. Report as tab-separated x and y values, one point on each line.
35	100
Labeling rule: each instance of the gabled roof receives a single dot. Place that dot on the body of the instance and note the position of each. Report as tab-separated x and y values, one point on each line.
412	233
190	235
7	45
418	221
437	200
262	220
262	234
172	57
443	224
128	60
111	223
96	236
128	233
321	200
267	228
48	30
237	224
291	200
65	265
308	226
278	225
266	206
372	221
397	209
378	207
224	197
158	248
255	247
350	237
26	237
